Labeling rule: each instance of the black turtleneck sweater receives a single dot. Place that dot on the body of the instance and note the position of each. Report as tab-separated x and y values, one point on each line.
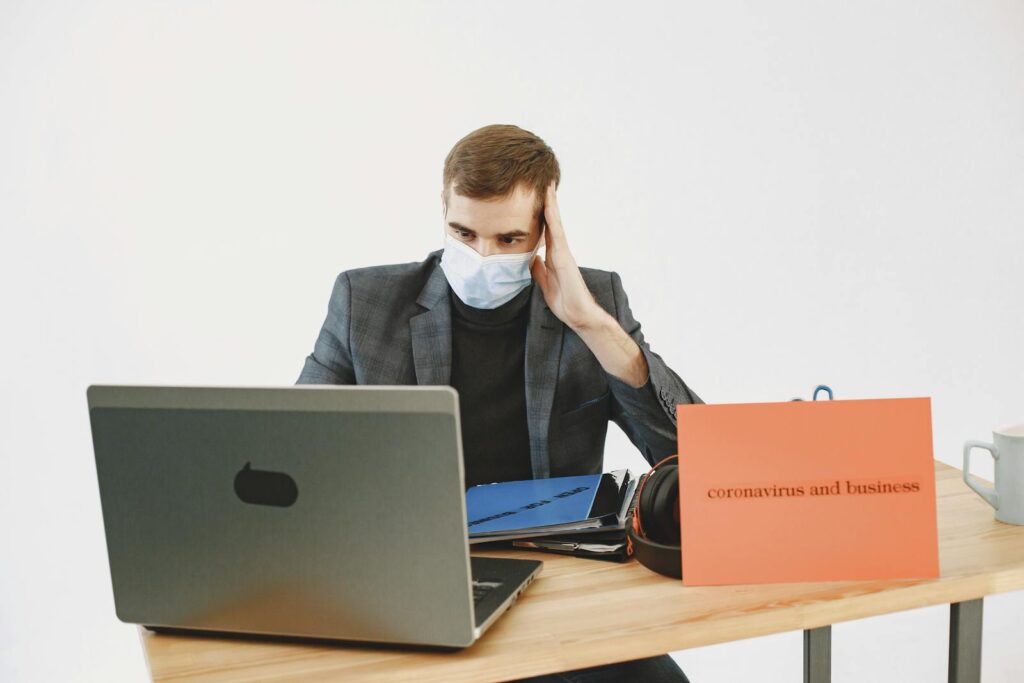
488	354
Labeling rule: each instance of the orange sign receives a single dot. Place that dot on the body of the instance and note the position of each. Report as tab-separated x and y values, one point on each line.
807	491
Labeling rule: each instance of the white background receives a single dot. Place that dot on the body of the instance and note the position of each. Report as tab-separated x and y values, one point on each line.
793	193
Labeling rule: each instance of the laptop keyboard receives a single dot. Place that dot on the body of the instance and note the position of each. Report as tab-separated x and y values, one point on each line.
482	587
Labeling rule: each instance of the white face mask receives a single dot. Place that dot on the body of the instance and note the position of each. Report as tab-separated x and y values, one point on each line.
485	281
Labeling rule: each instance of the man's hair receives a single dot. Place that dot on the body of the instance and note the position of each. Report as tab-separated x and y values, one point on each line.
491	161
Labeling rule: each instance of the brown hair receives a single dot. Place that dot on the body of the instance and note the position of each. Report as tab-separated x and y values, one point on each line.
491	161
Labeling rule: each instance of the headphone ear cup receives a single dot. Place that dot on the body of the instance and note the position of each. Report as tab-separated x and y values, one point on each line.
660	505
643	504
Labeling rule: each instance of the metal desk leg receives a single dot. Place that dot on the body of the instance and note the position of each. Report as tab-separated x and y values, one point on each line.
965	641
818	655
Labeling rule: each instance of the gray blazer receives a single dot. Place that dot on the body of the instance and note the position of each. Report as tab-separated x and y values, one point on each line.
392	325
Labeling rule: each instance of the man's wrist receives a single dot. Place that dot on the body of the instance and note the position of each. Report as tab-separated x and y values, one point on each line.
619	354
596	321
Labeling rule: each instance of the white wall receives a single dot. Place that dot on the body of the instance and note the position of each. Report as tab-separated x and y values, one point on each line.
793	193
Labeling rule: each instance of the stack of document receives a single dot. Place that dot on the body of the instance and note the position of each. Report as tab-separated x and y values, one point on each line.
582	515
605	545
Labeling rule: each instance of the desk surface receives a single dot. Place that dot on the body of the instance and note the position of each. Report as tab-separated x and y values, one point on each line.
581	613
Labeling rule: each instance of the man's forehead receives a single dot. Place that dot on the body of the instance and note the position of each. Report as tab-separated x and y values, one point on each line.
515	211
521	195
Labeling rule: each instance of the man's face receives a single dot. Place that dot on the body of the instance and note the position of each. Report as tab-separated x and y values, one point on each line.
497	225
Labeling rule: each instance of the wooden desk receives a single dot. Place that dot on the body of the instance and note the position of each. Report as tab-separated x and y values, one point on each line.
581	613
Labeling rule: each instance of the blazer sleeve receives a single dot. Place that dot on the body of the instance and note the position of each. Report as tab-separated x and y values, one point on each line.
647	414
331	360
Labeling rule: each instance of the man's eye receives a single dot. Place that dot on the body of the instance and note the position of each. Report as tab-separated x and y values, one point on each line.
509	240
465	235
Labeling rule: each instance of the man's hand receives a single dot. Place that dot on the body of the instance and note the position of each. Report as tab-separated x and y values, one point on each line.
559	277
569	299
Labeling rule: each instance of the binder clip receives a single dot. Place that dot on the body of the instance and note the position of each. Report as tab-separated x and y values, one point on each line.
814	396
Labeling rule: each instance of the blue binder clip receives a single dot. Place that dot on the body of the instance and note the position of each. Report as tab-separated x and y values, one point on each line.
820	387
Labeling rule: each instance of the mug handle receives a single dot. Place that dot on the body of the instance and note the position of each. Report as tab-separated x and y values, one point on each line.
990	496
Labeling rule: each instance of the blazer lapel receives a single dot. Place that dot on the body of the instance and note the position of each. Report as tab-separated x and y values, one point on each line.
431	332
543	353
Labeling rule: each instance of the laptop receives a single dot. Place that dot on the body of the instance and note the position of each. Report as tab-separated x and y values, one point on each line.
325	512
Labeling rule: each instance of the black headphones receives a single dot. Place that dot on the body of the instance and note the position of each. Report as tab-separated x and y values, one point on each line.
652	536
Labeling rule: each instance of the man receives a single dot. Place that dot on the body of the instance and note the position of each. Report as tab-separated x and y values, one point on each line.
543	353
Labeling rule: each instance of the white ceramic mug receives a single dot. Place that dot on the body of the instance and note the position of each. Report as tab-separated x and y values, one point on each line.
1007	449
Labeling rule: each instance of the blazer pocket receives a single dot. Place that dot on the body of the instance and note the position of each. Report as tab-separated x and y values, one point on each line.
581	411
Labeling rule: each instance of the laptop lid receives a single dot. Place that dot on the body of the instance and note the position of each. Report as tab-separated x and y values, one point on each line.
314	511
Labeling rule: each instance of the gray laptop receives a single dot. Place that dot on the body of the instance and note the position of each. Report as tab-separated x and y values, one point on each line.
332	512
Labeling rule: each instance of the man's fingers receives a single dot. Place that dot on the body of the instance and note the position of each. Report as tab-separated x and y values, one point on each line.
551	214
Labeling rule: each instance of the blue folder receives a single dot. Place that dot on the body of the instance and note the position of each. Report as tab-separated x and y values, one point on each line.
518	509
